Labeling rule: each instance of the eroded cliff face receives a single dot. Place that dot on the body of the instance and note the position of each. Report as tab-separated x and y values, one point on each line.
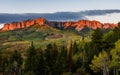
40	21
78	25
23	24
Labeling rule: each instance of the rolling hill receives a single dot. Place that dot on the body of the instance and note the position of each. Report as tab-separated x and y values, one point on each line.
41	35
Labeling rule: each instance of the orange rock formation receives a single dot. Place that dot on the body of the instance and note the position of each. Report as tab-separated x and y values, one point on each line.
78	25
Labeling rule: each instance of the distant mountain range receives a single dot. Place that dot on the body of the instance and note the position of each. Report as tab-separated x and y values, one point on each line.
58	16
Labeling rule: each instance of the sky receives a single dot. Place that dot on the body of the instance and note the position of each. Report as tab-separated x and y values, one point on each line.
51	6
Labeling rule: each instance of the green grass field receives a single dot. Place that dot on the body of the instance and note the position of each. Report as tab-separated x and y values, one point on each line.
40	35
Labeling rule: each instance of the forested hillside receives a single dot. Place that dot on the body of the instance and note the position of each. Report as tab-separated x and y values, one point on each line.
98	54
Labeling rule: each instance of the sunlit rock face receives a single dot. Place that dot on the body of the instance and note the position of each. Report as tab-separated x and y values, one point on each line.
23	24
77	25
106	25
6	27
82	23
29	23
96	24
40	21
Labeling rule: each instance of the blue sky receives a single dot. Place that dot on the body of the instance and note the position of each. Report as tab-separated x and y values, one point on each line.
50	6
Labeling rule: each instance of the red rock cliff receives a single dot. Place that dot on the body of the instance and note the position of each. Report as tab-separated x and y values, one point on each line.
23	24
40	21
78	25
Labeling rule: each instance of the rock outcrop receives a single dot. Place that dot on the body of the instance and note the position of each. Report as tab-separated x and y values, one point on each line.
78	25
23	24
40	21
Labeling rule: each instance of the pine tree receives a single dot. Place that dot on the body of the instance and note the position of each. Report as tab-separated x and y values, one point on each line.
70	56
109	40
54	55
97	36
1	67
116	31
30	62
81	57
61	62
6	66
51	53
40	69
75	48
16	62
97	41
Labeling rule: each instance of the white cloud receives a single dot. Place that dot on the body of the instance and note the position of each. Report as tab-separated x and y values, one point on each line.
1	26
109	18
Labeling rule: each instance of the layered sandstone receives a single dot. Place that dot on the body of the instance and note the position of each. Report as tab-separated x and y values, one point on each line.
78	25
40	21
23	24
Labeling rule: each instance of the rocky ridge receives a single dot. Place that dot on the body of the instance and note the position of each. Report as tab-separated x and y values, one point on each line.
78	25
